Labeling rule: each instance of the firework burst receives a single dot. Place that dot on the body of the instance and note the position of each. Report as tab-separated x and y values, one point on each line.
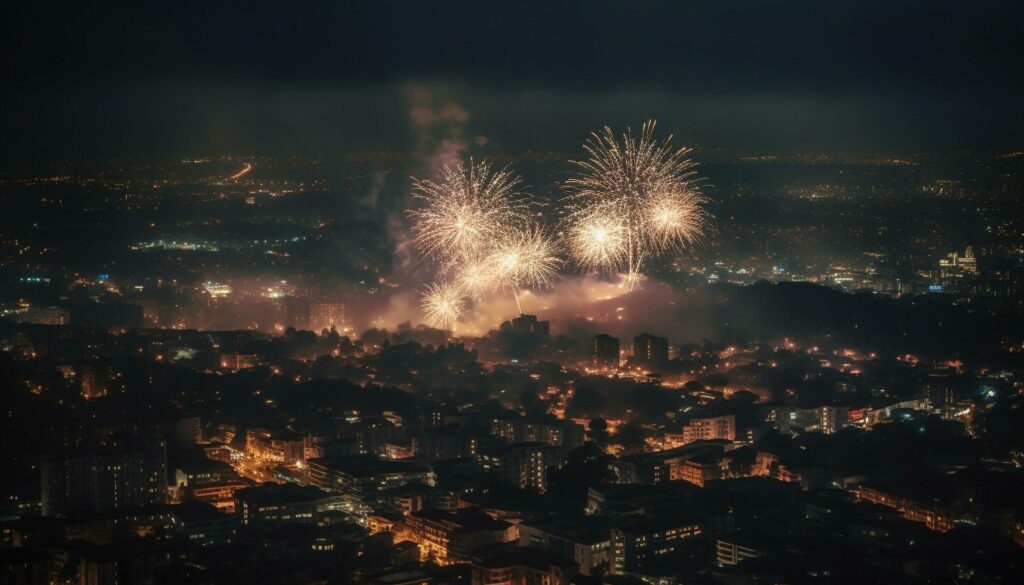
597	237
630	199
525	259
476	279
675	219
443	304
463	214
475	224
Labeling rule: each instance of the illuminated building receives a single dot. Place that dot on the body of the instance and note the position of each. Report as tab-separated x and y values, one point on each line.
585	541
698	470
563	433
939	390
733	549
452	536
825	419
378	522
522	566
362	479
933	512
393	451
956	266
217	289
832	418
237	361
769	464
204	525
406	499
522	465
450	442
275	504
327	316
646	540
661	466
44	316
275	446
203	471
95	380
604	351
650	349
219	494
121	472
707	429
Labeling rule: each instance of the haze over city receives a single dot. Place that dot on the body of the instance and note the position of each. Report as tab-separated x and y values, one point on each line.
565	293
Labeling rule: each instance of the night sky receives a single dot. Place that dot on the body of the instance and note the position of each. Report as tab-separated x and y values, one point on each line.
88	81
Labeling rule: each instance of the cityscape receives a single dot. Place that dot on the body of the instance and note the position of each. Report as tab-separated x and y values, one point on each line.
623	347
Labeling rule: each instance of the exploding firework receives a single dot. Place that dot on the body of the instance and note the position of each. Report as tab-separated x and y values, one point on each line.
632	199
526	259
443	304
465	213
476	279
597	237
675	219
475	224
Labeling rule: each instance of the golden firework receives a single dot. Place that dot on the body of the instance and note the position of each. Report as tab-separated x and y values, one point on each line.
443	304
632	198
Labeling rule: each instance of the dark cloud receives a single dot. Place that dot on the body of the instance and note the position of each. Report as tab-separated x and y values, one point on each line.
182	74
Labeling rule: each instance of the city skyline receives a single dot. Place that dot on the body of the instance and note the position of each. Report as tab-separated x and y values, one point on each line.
579	293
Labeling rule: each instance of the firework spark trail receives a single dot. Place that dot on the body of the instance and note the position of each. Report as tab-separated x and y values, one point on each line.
463	214
443	304
597	236
475	224
525	259
632	199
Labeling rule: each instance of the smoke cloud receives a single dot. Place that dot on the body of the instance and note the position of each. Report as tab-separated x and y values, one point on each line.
438	125
576	306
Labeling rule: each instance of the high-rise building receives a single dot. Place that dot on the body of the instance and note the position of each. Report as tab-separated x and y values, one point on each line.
527	324
650	349
707	429
522	465
561	433
296	311
604	351
119	473
327	316
645	540
95	380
